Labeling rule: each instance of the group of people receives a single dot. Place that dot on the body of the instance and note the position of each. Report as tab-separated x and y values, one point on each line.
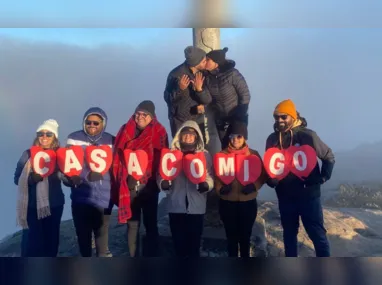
203	83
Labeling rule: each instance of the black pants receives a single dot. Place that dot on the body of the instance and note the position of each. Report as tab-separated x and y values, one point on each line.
312	217
186	231
88	220
238	219
145	203
43	236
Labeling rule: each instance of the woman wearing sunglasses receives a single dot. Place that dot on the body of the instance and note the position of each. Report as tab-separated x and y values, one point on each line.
238	204
41	200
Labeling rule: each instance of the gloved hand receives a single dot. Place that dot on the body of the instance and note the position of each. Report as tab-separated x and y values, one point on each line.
203	187
272	182
248	189
165	185
131	182
36	177
226	189
75	180
94	176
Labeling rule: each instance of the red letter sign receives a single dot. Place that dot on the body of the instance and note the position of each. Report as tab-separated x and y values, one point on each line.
303	160
224	165
275	163
136	162
194	166
70	160
170	164
43	161
248	168
99	158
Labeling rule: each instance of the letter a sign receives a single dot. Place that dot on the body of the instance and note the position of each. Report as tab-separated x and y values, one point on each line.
70	160
136	162
43	161
170	164
224	165
194	167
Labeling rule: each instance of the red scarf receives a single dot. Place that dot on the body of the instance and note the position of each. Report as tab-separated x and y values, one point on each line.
244	150
152	139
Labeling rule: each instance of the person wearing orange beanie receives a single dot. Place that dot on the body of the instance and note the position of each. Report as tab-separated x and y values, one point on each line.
300	197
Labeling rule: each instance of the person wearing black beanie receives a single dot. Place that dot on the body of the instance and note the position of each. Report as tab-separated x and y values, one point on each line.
185	92
237	203
229	92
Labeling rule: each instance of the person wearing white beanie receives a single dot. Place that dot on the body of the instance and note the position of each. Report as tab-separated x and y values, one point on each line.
49	125
41	200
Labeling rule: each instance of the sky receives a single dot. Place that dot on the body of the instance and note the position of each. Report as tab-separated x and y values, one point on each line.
332	74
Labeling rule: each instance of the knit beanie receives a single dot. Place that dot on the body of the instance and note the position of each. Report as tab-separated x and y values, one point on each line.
49	125
218	55
239	128
148	107
287	107
194	55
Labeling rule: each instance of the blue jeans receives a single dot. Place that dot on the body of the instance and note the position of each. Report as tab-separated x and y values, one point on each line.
310	210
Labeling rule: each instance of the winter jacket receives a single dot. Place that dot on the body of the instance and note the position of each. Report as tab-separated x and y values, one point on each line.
236	195
92	193
182	103
291	186
229	92
183	194
56	195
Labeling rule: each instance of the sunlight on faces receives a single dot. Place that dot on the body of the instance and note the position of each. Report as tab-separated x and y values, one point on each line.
93	125
210	64
45	138
237	141
283	121
188	138
142	119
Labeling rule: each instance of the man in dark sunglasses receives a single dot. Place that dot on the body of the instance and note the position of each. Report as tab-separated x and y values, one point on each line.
90	191
300	198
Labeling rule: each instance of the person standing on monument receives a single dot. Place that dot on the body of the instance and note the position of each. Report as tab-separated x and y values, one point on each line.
229	92
300	198
185	93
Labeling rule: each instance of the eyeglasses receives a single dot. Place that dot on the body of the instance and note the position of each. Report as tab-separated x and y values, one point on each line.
282	117
139	114
47	134
231	137
95	123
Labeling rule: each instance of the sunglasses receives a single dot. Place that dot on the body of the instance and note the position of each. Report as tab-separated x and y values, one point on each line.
138	114
282	117
236	136
47	134
95	123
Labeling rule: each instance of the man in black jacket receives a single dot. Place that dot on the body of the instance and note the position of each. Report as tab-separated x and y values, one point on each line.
229	92
184	93
300	198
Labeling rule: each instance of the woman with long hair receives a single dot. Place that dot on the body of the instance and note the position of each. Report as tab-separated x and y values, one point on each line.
41	200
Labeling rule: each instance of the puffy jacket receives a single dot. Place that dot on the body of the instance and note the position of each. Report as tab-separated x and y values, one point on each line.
92	193
229	92
183	191
182	103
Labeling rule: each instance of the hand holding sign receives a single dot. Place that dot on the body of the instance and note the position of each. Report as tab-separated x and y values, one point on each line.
194	167
136	163
43	161
70	160
99	158
170	164
224	165
303	160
